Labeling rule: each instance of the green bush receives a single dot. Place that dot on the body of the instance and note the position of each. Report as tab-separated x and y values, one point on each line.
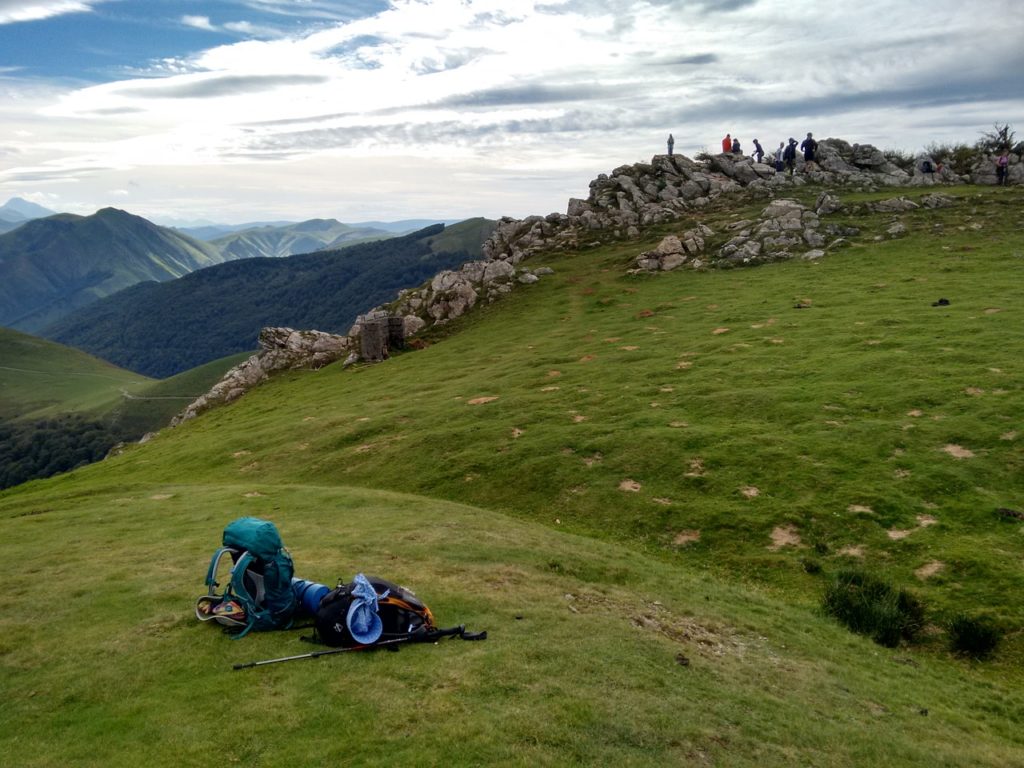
974	636
959	157
899	157
870	606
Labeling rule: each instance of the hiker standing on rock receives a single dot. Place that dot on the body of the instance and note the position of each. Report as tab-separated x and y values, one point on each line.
727	144
1002	168
758	151
671	144
789	156
809	146
779	162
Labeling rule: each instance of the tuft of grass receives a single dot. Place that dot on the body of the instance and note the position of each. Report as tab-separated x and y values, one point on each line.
973	636
870	606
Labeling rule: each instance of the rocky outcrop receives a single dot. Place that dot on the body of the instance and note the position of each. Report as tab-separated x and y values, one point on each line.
280	349
621	205
785	229
984	170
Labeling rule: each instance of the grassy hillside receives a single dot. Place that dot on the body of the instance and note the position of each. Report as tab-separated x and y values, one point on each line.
638	485
39	378
163	329
60	408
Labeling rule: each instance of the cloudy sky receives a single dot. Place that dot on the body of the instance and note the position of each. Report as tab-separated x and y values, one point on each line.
246	110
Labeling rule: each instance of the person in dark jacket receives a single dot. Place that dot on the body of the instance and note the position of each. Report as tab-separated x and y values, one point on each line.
789	156
736	146
809	147
758	151
671	144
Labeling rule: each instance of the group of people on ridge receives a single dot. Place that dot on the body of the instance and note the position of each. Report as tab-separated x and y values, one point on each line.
784	156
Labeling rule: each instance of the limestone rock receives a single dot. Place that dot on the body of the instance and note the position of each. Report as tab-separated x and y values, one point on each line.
280	349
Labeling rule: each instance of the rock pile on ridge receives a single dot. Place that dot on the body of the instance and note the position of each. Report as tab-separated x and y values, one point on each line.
621	204
280	349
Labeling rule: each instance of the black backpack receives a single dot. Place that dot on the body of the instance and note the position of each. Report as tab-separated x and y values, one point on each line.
402	614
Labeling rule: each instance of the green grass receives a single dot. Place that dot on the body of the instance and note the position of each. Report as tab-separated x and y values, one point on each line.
510	515
39	378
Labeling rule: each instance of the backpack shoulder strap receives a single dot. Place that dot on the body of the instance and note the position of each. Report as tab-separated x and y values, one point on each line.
238	589
211	573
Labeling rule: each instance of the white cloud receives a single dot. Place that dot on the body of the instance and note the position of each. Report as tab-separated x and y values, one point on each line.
198	22
540	95
12	11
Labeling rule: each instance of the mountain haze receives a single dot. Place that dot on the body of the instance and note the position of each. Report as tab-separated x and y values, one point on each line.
160	329
52	266
292	239
17	211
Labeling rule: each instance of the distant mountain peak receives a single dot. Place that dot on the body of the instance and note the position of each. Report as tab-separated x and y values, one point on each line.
20	208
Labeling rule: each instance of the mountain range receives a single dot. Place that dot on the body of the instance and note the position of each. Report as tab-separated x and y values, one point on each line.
276	240
54	265
17	211
162	328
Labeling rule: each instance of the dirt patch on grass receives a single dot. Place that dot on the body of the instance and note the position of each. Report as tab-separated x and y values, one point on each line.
240	454
1012	435
482	400
917	412
702	638
696	468
253	495
682	365
929	569
663	501
578	418
630	486
629	348
750	491
517	433
686	537
860	508
554	374
958	451
924	521
551	388
784	536
678	424
161	496
992	311
974	391
852	551
588	358
720	331
590	461
897	534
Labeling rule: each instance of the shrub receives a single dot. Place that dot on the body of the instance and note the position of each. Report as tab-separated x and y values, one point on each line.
959	157
870	606
898	157
974	636
999	138
811	566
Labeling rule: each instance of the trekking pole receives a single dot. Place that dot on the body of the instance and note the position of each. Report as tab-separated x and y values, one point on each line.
318	654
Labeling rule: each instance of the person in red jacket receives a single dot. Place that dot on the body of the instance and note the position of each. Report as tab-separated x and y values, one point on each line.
727	144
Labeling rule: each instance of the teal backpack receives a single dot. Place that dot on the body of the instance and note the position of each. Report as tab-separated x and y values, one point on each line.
258	592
